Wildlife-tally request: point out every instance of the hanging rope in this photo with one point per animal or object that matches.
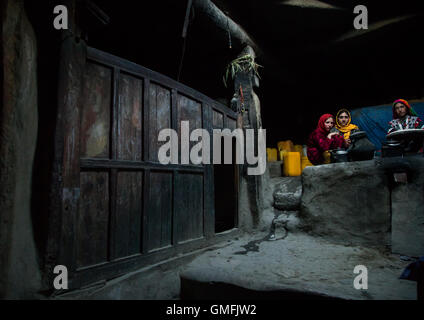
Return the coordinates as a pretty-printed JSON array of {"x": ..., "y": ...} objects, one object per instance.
[
  {"x": 230, "y": 43},
  {"x": 242, "y": 110},
  {"x": 184, "y": 35}
]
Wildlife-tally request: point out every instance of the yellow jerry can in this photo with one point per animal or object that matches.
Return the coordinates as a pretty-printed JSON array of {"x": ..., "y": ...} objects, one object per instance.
[
  {"x": 285, "y": 145},
  {"x": 272, "y": 154},
  {"x": 306, "y": 163},
  {"x": 292, "y": 165},
  {"x": 298, "y": 148}
]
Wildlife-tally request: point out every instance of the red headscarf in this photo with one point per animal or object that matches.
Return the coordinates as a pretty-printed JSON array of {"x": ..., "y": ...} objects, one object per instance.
[
  {"x": 409, "y": 110},
  {"x": 321, "y": 122}
]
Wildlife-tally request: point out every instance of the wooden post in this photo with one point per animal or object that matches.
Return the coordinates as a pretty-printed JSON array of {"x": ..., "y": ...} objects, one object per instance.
[{"x": 65, "y": 179}]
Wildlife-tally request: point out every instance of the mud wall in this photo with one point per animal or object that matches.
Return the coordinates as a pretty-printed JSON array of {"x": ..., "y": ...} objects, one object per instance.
[{"x": 19, "y": 270}]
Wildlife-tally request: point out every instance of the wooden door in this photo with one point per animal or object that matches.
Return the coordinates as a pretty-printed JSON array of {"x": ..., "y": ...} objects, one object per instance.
[{"x": 122, "y": 209}]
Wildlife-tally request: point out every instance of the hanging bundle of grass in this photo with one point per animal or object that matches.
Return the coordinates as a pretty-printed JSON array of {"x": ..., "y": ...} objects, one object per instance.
[{"x": 244, "y": 63}]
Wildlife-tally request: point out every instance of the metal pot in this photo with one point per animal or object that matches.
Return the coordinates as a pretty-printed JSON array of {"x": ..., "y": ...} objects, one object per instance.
[
  {"x": 392, "y": 148},
  {"x": 338, "y": 156},
  {"x": 356, "y": 135}
]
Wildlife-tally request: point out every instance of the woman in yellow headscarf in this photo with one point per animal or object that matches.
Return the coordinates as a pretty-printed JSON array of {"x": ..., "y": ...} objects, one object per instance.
[{"x": 344, "y": 125}]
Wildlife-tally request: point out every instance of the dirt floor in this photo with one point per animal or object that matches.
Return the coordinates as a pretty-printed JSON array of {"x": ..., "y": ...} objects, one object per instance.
[{"x": 305, "y": 263}]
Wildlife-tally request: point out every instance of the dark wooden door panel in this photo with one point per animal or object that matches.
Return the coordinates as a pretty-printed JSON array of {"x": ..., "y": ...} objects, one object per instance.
[
  {"x": 231, "y": 124},
  {"x": 189, "y": 207},
  {"x": 218, "y": 119},
  {"x": 129, "y": 210},
  {"x": 93, "y": 219},
  {"x": 95, "y": 118},
  {"x": 160, "y": 210},
  {"x": 191, "y": 111},
  {"x": 160, "y": 117},
  {"x": 130, "y": 119}
]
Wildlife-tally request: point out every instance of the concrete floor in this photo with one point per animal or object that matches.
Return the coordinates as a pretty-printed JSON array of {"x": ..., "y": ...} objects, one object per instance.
[{"x": 300, "y": 263}]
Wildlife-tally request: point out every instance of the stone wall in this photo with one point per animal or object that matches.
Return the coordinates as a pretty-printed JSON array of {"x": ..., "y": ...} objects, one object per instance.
[
  {"x": 348, "y": 203},
  {"x": 408, "y": 211},
  {"x": 362, "y": 203},
  {"x": 19, "y": 270}
]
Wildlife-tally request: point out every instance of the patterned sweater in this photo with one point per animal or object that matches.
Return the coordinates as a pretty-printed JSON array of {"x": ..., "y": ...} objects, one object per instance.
[{"x": 408, "y": 122}]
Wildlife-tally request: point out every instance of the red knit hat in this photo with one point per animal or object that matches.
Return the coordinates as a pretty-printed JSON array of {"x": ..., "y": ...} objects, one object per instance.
[{"x": 409, "y": 109}]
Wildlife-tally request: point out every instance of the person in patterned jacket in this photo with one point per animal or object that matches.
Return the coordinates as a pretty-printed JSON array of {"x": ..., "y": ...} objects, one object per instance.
[{"x": 404, "y": 117}]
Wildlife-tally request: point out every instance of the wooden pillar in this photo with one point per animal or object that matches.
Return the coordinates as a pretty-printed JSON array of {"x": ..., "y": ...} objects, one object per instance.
[
  {"x": 244, "y": 84},
  {"x": 65, "y": 191}
]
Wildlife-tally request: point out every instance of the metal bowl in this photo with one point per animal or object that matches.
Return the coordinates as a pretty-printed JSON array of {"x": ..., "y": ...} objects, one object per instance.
[
  {"x": 341, "y": 152},
  {"x": 393, "y": 143}
]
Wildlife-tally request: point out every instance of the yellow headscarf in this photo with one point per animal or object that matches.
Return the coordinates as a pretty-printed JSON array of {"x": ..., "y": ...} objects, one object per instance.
[{"x": 347, "y": 128}]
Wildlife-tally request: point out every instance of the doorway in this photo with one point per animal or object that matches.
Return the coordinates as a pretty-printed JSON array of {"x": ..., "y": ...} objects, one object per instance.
[{"x": 226, "y": 193}]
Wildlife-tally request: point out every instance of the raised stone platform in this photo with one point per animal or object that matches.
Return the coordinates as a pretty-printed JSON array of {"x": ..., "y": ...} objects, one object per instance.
[{"x": 361, "y": 203}]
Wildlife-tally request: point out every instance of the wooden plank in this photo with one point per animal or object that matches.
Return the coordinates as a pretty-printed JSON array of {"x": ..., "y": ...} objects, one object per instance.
[
  {"x": 113, "y": 140},
  {"x": 93, "y": 219},
  {"x": 113, "y": 190},
  {"x": 191, "y": 111},
  {"x": 153, "y": 92},
  {"x": 128, "y": 214},
  {"x": 63, "y": 219},
  {"x": 95, "y": 118},
  {"x": 160, "y": 117},
  {"x": 208, "y": 182},
  {"x": 115, "y": 114},
  {"x": 146, "y": 211},
  {"x": 160, "y": 210},
  {"x": 88, "y": 164},
  {"x": 175, "y": 202},
  {"x": 175, "y": 177},
  {"x": 231, "y": 124},
  {"x": 218, "y": 120},
  {"x": 129, "y": 128},
  {"x": 146, "y": 117}
]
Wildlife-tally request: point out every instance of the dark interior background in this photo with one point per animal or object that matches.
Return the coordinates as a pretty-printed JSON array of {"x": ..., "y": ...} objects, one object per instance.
[
  {"x": 313, "y": 60},
  {"x": 308, "y": 68}
]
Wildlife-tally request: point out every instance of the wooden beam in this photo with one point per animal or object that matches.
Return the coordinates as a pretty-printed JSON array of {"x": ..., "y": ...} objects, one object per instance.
[{"x": 226, "y": 24}]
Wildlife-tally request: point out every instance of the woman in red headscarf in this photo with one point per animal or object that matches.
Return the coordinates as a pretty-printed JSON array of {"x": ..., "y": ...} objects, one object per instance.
[{"x": 322, "y": 140}]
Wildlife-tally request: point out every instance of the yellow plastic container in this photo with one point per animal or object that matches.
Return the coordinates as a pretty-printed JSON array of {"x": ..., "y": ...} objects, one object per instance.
[
  {"x": 272, "y": 154},
  {"x": 306, "y": 163},
  {"x": 285, "y": 145},
  {"x": 282, "y": 153},
  {"x": 298, "y": 148},
  {"x": 291, "y": 165}
]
